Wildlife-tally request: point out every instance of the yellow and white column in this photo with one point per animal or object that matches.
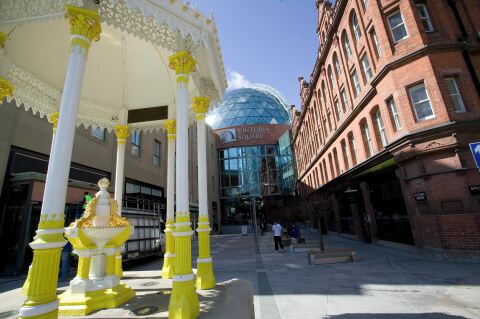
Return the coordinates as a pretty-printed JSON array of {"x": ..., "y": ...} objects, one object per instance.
[
  {"x": 205, "y": 277},
  {"x": 6, "y": 88},
  {"x": 122, "y": 132},
  {"x": 184, "y": 300},
  {"x": 169, "y": 256},
  {"x": 41, "y": 283}
]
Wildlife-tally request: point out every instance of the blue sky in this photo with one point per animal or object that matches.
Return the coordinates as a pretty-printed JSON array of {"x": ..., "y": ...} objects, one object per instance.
[{"x": 266, "y": 41}]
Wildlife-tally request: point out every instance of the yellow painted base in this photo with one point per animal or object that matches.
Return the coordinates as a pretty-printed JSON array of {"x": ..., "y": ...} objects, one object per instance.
[
  {"x": 83, "y": 304},
  {"x": 168, "y": 267},
  {"x": 205, "y": 278},
  {"x": 184, "y": 302}
]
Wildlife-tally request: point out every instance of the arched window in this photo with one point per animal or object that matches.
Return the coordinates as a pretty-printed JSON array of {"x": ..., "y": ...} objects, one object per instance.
[
  {"x": 346, "y": 45},
  {"x": 330, "y": 76},
  {"x": 335, "y": 159},
  {"x": 380, "y": 131},
  {"x": 338, "y": 69},
  {"x": 346, "y": 160},
  {"x": 367, "y": 138},
  {"x": 355, "y": 26},
  {"x": 353, "y": 148}
]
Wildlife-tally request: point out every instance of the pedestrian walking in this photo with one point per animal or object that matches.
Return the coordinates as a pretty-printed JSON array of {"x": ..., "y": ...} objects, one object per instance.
[{"x": 277, "y": 235}]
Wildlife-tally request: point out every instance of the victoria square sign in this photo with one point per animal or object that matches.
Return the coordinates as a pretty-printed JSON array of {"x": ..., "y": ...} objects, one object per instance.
[{"x": 250, "y": 135}]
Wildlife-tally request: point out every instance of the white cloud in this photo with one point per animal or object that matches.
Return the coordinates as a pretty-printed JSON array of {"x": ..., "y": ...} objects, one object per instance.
[{"x": 237, "y": 81}]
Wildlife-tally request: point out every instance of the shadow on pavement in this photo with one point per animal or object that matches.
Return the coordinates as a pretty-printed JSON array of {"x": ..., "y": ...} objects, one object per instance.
[{"x": 395, "y": 316}]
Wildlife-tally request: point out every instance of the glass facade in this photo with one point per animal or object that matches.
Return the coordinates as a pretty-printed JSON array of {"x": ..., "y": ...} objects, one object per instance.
[
  {"x": 249, "y": 106},
  {"x": 265, "y": 171}
]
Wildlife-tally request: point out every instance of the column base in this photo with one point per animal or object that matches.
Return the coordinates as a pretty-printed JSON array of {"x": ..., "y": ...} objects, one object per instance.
[
  {"x": 82, "y": 304},
  {"x": 168, "y": 266},
  {"x": 184, "y": 302},
  {"x": 205, "y": 278}
]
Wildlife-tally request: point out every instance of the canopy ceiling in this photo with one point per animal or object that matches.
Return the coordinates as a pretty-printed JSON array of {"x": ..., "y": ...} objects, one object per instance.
[{"x": 126, "y": 70}]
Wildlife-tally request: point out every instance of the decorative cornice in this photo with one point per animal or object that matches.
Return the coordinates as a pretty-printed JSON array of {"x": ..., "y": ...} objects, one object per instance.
[
  {"x": 84, "y": 26},
  {"x": 122, "y": 132},
  {"x": 200, "y": 106},
  {"x": 53, "y": 118}
]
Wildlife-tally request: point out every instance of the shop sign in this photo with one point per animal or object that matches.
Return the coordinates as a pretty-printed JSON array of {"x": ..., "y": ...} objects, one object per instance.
[
  {"x": 249, "y": 133},
  {"x": 474, "y": 189},
  {"x": 420, "y": 196}
]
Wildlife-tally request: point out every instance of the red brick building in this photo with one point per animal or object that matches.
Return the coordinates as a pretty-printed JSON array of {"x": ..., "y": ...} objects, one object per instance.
[{"x": 382, "y": 139}]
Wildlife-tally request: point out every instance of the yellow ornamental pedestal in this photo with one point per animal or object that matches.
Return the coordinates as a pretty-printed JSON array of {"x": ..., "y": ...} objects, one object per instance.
[
  {"x": 169, "y": 256},
  {"x": 97, "y": 238},
  {"x": 205, "y": 277}
]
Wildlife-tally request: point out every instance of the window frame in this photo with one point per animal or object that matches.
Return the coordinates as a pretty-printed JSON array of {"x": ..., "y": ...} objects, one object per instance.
[
  {"x": 413, "y": 103},
  {"x": 135, "y": 146},
  {"x": 368, "y": 138},
  {"x": 392, "y": 107},
  {"x": 381, "y": 128},
  {"x": 376, "y": 43},
  {"x": 338, "y": 68},
  {"x": 94, "y": 129},
  {"x": 356, "y": 82},
  {"x": 421, "y": 6},
  {"x": 355, "y": 27},
  {"x": 398, "y": 25},
  {"x": 156, "y": 155},
  {"x": 367, "y": 72},
  {"x": 458, "y": 94},
  {"x": 343, "y": 94},
  {"x": 347, "y": 49}
]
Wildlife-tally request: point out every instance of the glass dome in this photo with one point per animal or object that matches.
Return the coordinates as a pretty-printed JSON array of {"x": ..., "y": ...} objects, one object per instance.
[{"x": 260, "y": 104}]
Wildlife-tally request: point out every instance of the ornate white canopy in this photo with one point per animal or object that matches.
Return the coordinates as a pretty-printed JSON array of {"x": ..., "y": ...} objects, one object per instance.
[{"x": 126, "y": 70}]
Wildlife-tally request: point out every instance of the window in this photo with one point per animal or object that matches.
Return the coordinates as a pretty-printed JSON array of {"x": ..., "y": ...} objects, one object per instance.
[
  {"x": 344, "y": 100},
  {"x": 338, "y": 70},
  {"x": 376, "y": 43},
  {"x": 156, "y": 154},
  {"x": 345, "y": 155},
  {"x": 365, "y": 3},
  {"x": 381, "y": 128},
  {"x": 353, "y": 148},
  {"x": 329, "y": 117},
  {"x": 330, "y": 77},
  {"x": 394, "y": 113},
  {"x": 397, "y": 27},
  {"x": 421, "y": 102},
  {"x": 356, "y": 27},
  {"x": 455, "y": 95},
  {"x": 98, "y": 133},
  {"x": 136, "y": 137},
  {"x": 424, "y": 17},
  {"x": 367, "y": 140},
  {"x": 346, "y": 46},
  {"x": 366, "y": 67},
  {"x": 356, "y": 83},
  {"x": 337, "y": 107}
]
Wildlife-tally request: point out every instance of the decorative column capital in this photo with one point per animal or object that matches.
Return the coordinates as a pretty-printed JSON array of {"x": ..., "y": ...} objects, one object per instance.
[
  {"x": 3, "y": 38},
  {"x": 122, "y": 132},
  {"x": 171, "y": 127},
  {"x": 6, "y": 89},
  {"x": 200, "y": 106},
  {"x": 84, "y": 26},
  {"x": 183, "y": 64},
  {"x": 53, "y": 118}
]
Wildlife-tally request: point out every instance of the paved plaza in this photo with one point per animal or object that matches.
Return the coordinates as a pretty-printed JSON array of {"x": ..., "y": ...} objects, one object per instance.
[{"x": 384, "y": 283}]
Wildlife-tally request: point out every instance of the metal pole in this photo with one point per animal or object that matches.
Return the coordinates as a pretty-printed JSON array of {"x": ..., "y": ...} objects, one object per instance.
[{"x": 254, "y": 200}]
